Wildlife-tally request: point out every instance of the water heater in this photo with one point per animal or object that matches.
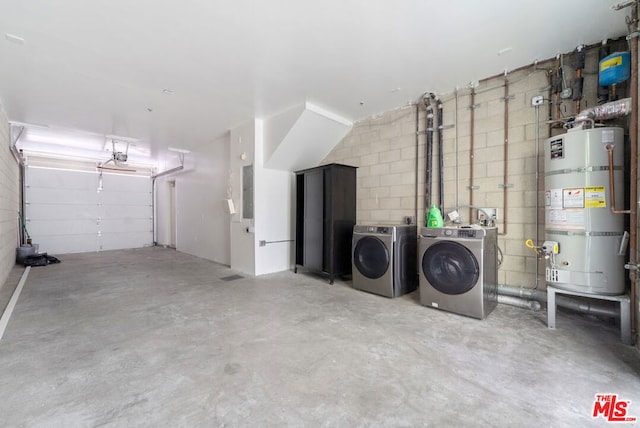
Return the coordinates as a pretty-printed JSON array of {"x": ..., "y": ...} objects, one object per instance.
[{"x": 586, "y": 241}]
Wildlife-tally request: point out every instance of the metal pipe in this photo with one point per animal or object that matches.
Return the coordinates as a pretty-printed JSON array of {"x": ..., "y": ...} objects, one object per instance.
[
  {"x": 440, "y": 156},
  {"x": 417, "y": 163},
  {"x": 471, "y": 154},
  {"x": 612, "y": 184},
  {"x": 519, "y": 303},
  {"x": 610, "y": 110},
  {"x": 429, "y": 151},
  {"x": 457, "y": 157},
  {"x": 590, "y": 308},
  {"x": 537, "y": 280},
  {"x": 505, "y": 193},
  {"x": 169, "y": 171},
  {"x": 633, "y": 190}
]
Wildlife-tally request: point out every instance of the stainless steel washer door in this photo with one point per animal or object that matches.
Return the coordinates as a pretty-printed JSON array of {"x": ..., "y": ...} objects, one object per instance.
[
  {"x": 450, "y": 267},
  {"x": 371, "y": 257}
]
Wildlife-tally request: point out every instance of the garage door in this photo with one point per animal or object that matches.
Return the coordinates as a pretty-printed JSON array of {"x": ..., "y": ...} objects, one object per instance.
[{"x": 78, "y": 211}]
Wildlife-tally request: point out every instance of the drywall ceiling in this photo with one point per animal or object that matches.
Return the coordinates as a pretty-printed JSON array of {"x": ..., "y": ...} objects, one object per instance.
[{"x": 183, "y": 73}]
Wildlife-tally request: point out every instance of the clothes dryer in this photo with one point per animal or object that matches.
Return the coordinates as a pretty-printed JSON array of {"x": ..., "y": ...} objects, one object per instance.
[
  {"x": 459, "y": 269},
  {"x": 384, "y": 259}
]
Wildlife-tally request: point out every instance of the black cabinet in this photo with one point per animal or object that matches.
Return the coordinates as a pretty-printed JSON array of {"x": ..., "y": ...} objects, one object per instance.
[{"x": 325, "y": 216}]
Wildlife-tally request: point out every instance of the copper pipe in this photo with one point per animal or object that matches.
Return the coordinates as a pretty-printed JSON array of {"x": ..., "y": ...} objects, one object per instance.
[
  {"x": 612, "y": 184},
  {"x": 633, "y": 188}
]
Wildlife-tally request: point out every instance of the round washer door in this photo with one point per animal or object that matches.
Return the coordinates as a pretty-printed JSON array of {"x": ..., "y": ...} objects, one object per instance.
[
  {"x": 450, "y": 267},
  {"x": 371, "y": 257}
]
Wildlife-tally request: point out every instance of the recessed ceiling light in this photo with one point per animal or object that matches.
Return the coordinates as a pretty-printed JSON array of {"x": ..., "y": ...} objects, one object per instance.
[
  {"x": 167, "y": 91},
  {"x": 14, "y": 39},
  {"x": 394, "y": 90}
]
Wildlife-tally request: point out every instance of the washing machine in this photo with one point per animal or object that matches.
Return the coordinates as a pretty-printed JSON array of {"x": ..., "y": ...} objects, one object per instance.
[
  {"x": 459, "y": 269},
  {"x": 384, "y": 259}
]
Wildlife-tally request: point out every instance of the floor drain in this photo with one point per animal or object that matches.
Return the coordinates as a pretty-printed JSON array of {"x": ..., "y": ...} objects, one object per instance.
[{"x": 231, "y": 277}]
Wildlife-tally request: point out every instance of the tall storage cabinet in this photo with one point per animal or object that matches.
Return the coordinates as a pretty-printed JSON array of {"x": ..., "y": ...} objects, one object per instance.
[{"x": 325, "y": 216}]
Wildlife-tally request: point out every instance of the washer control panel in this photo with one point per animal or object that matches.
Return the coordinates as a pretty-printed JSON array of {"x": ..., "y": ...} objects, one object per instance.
[{"x": 467, "y": 233}]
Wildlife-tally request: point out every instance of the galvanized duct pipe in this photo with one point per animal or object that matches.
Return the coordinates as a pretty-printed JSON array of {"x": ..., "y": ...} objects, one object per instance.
[
  {"x": 591, "y": 308},
  {"x": 610, "y": 110},
  {"x": 519, "y": 303}
]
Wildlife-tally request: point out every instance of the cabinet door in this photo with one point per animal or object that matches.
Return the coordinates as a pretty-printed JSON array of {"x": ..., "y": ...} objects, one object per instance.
[{"x": 313, "y": 218}]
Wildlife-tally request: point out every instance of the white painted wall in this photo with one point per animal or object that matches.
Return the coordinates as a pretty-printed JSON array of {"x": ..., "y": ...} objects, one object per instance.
[
  {"x": 200, "y": 189},
  {"x": 241, "y": 152},
  {"x": 273, "y": 207},
  {"x": 9, "y": 200},
  {"x": 274, "y": 200},
  {"x": 301, "y": 137}
]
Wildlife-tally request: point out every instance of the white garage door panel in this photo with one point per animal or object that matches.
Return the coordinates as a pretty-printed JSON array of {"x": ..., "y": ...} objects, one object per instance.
[
  {"x": 131, "y": 183},
  {"x": 132, "y": 211},
  {"x": 62, "y": 228},
  {"x": 56, "y": 196},
  {"x": 117, "y": 241},
  {"x": 62, "y": 179},
  {"x": 67, "y": 213},
  {"x": 68, "y": 244},
  {"x": 126, "y": 198},
  {"x": 39, "y": 212},
  {"x": 125, "y": 225}
]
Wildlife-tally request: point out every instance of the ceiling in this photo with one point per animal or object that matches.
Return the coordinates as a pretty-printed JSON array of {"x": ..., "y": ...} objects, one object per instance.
[{"x": 181, "y": 74}]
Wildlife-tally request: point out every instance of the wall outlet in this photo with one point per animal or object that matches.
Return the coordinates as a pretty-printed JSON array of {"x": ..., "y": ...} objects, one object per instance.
[
  {"x": 537, "y": 100},
  {"x": 263, "y": 243}
]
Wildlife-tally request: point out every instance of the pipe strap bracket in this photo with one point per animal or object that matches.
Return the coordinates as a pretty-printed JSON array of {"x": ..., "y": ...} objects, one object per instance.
[{"x": 633, "y": 35}]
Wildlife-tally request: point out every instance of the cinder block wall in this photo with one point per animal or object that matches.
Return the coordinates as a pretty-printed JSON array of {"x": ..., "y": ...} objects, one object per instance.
[
  {"x": 391, "y": 184},
  {"x": 9, "y": 201}
]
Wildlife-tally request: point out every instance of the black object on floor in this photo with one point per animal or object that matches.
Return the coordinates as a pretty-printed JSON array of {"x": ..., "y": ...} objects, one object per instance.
[{"x": 40, "y": 260}]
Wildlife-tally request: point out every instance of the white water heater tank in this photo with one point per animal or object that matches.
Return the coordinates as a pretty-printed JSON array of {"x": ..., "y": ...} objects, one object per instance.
[{"x": 591, "y": 239}]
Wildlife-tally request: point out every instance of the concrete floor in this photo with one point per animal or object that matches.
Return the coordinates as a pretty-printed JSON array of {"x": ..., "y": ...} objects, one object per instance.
[{"x": 153, "y": 337}]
